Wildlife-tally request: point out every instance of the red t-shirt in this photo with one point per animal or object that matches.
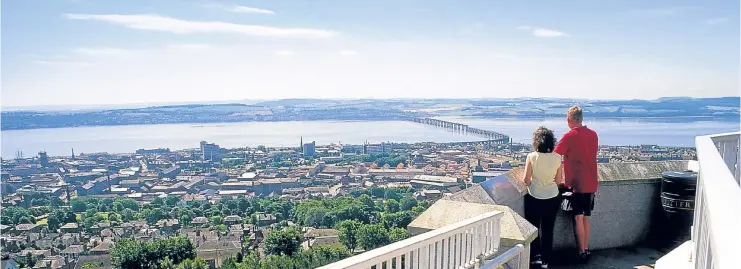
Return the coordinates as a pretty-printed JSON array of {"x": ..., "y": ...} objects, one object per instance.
[{"x": 579, "y": 150}]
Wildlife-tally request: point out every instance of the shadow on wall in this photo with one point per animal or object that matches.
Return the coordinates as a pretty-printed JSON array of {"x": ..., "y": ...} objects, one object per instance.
[{"x": 627, "y": 206}]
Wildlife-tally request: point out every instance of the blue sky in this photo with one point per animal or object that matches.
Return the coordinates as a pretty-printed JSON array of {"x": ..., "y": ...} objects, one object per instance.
[{"x": 74, "y": 52}]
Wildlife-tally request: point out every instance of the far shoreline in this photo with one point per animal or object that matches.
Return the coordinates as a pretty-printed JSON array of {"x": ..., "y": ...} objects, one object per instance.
[{"x": 725, "y": 118}]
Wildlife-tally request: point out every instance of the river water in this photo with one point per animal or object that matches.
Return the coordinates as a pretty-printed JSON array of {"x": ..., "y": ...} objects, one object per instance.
[{"x": 116, "y": 139}]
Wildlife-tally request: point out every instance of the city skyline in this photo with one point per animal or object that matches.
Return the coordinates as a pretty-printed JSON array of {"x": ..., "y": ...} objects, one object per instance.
[{"x": 84, "y": 52}]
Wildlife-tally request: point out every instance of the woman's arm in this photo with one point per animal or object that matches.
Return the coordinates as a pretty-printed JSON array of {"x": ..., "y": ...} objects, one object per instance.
[
  {"x": 528, "y": 172},
  {"x": 559, "y": 175}
]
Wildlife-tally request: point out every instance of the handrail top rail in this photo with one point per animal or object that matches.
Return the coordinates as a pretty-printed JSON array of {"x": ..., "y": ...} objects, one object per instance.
[
  {"x": 729, "y": 134},
  {"x": 723, "y": 198},
  {"x": 406, "y": 243},
  {"x": 503, "y": 258}
]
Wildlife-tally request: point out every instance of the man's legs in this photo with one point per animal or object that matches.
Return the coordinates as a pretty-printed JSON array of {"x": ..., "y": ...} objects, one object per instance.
[
  {"x": 583, "y": 205},
  {"x": 586, "y": 233},
  {"x": 581, "y": 232}
]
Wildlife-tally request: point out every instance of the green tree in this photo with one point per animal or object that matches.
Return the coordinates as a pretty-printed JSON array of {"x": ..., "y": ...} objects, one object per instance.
[
  {"x": 393, "y": 193},
  {"x": 78, "y": 205},
  {"x": 118, "y": 207},
  {"x": 418, "y": 209},
  {"x": 91, "y": 212},
  {"x": 113, "y": 217},
  {"x": 315, "y": 217},
  {"x": 221, "y": 228},
  {"x": 398, "y": 234},
  {"x": 128, "y": 214},
  {"x": 92, "y": 265},
  {"x": 407, "y": 203},
  {"x": 155, "y": 215},
  {"x": 157, "y": 202},
  {"x": 40, "y": 202},
  {"x": 378, "y": 192},
  {"x": 126, "y": 203},
  {"x": 28, "y": 261},
  {"x": 53, "y": 222},
  {"x": 349, "y": 233},
  {"x": 284, "y": 242},
  {"x": 391, "y": 206},
  {"x": 130, "y": 253},
  {"x": 367, "y": 201},
  {"x": 216, "y": 220},
  {"x": 166, "y": 263},
  {"x": 231, "y": 263},
  {"x": 88, "y": 223},
  {"x": 397, "y": 220},
  {"x": 70, "y": 217},
  {"x": 25, "y": 219},
  {"x": 244, "y": 204},
  {"x": 172, "y": 200},
  {"x": 196, "y": 263},
  {"x": 252, "y": 261},
  {"x": 15, "y": 215},
  {"x": 371, "y": 236}
]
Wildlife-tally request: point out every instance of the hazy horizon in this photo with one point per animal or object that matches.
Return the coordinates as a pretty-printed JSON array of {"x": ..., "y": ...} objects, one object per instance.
[{"x": 73, "y": 107}]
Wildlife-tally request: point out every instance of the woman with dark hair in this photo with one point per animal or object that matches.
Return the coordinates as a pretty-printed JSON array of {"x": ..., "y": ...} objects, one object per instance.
[{"x": 543, "y": 173}]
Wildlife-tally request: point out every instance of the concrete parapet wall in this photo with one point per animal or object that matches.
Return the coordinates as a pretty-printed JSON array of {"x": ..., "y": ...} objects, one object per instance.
[
  {"x": 627, "y": 204},
  {"x": 623, "y": 215}
]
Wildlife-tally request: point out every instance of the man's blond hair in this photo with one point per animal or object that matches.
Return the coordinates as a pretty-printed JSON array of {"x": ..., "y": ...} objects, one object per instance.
[{"x": 575, "y": 113}]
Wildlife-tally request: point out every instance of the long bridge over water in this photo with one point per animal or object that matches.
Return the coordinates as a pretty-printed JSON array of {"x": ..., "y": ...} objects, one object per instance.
[{"x": 491, "y": 136}]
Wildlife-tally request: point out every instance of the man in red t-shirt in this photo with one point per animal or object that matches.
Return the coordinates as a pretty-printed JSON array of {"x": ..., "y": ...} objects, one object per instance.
[{"x": 579, "y": 150}]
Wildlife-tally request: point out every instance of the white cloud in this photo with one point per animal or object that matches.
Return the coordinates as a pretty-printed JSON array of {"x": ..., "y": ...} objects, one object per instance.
[
  {"x": 283, "y": 52},
  {"x": 63, "y": 63},
  {"x": 543, "y": 32},
  {"x": 715, "y": 21},
  {"x": 153, "y": 22},
  {"x": 189, "y": 46},
  {"x": 100, "y": 51},
  {"x": 241, "y": 9},
  {"x": 244, "y": 9},
  {"x": 348, "y": 52}
]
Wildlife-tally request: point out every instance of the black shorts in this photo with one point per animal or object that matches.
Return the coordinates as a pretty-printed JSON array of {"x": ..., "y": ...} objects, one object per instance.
[{"x": 582, "y": 203}]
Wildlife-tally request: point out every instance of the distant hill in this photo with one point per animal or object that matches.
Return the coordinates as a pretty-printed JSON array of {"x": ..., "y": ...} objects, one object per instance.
[{"x": 369, "y": 109}]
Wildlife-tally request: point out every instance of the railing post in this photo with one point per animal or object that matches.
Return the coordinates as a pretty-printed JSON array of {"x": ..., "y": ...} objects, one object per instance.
[
  {"x": 717, "y": 202},
  {"x": 461, "y": 245}
]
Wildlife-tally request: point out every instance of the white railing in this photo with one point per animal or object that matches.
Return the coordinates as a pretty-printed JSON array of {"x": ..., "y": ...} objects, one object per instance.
[
  {"x": 464, "y": 244},
  {"x": 715, "y": 233},
  {"x": 506, "y": 257}
]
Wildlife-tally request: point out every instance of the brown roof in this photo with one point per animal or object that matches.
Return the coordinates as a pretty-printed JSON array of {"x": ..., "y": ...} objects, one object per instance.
[
  {"x": 103, "y": 246},
  {"x": 199, "y": 220},
  {"x": 25, "y": 227},
  {"x": 73, "y": 249},
  {"x": 70, "y": 226}
]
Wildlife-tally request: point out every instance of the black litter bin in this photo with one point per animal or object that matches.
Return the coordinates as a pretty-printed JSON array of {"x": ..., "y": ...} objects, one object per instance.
[{"x": 678, "y": 203}]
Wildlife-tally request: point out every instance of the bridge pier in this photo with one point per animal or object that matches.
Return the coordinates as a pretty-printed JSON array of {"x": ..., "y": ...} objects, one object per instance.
[{"x": 491, "y": 137}]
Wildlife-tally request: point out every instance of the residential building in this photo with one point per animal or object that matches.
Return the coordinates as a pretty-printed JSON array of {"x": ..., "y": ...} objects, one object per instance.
[
  {"x": 309, "y": 149},
  {"x": 210, "y": 151}
]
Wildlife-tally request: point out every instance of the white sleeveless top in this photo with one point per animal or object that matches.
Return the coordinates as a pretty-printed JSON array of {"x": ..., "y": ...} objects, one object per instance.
[{"x": 545, "y": 166}]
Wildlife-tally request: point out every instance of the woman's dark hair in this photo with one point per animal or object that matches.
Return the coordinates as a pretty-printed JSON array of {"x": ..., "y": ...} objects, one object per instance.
[{"x": 543, "y": 140}]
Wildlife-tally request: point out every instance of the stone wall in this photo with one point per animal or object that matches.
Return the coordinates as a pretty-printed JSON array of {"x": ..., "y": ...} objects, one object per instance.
[
  {"x": 623, "y": 215},
  {"x": 627, "y": 204}
]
